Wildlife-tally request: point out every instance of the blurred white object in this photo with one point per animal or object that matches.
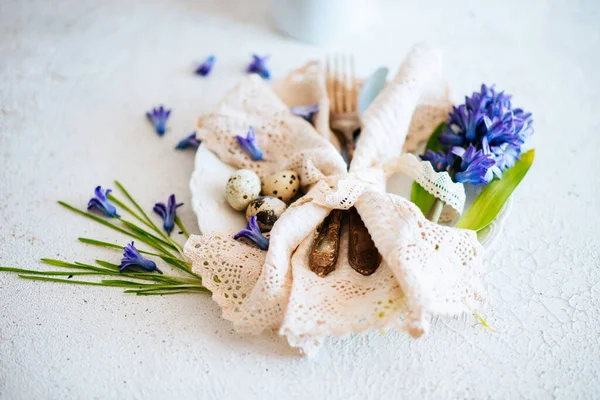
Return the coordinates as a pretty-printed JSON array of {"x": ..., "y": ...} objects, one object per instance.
[{"x": 322, "y": 21}]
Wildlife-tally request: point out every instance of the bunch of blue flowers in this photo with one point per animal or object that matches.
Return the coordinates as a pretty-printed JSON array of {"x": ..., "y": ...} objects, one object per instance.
[{"x": 482, "y": 138}]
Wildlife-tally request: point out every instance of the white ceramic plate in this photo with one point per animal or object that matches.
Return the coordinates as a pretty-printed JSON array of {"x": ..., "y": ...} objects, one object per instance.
[{"x": 215, "y": 215}]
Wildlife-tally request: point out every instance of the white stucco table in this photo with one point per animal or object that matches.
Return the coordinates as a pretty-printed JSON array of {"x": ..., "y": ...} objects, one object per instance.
[{"x": 75, "y": 80}]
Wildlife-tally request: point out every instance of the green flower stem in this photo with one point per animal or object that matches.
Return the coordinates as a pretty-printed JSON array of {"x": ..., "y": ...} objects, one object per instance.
[
  {"x": 149, "y": 235},
  {"x": 57, "y": 273},
  {"x": 148, "y": 220},
  {"x": 173, "y": 261},
  {"x": 136, "y": 235},
  {"x": 99, "y": 243},
  {"x": 64, "y": 264},
  {"x": 76, "y": 282},
  {"x": 435, "y": 211},
  {"x": 130, "y": 211},
  {"x": 179, "y": 224},
  {"x": 165, "y": 238}
]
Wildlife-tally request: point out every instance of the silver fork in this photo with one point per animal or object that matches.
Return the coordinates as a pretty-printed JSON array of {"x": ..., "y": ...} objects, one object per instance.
[
  {"x": 363, "y": 256},
  {"x": 342, "y": 90}
]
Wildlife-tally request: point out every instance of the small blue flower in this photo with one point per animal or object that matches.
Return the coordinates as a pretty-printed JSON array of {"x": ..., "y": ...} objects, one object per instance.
[
  {"x": 258, "y": 66},
  {"x": 475, "y": 167},
  {"x": 100, "y": 202},
  {"x": 440, "y": 161},
  {"x": 250, "y": 145},
  {"x": 207, "y": 66},
  {"x": 306, "y": 112},
  {"x": 523, "y": 124},
  {"x": 252, "y": 232},
  {"x": 158, "y": 117},
  {"x": 168, "y": 213},
  {"x": 188, "y": 142},
  {"x": 133, "y": 258},
  {"x": 461, "y": 123}
]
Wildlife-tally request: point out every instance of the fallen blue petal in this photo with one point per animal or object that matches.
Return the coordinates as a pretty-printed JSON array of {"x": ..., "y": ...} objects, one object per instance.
[
  {"x": 253, "y": 233},
  {"x": 306, "y": 111},
  {"x": 100, "y": 202},
  {"x": 258, "y": 66},
  {"x": 168, "y": 212},
  {"x": 250, "y": 145},
  {"x": 188, "y": 142},
  {"x": 158, "y": 117},
  {"x": 207, "y": 66}
]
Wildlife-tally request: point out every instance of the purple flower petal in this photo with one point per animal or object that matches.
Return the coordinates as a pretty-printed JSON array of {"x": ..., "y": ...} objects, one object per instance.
[
  {"x": 188, "y": 142},
  {"x": 100, "y": 202},
  {"x": 440, "y": 161},
  {"x": 132, "y": 258},
  {"x": 475, "y": 166},
  {"x": 258, "y": 66},
  {"x": 250, "y": 145},
  {"x": 207, "y": 66},
  {"x": 306, "y": 111},
  {"x": 158, "y": 117},
  {"x": 253, "y": 233},
  {"x": 168, "y": 213}
]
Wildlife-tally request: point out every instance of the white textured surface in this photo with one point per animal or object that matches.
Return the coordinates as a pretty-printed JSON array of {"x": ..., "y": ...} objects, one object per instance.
[{"x": 75, "y": 79}]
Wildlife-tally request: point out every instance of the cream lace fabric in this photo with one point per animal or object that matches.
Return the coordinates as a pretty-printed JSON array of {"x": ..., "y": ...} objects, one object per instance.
[{"x": 427, "y": 269}]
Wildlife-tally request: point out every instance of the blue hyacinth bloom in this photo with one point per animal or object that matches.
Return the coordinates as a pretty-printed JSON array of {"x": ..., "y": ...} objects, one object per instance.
[
  {"x": 207, "y": 66},
  {"x": 250, "y": 145},
  {"x": 100, "y": 202},
  {"x": 168, "y": 212},
  {"x": 133, "y": 258},
  {"x": 188, "y": 142},
  {"x": 305, "y": 112},
  {"x": 253, "y": 233},
  {"x": 158, "y": 117},
  {"x": 258, "y": 66}
]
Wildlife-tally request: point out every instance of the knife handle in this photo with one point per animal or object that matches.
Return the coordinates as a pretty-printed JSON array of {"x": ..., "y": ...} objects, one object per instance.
[
  {"x": 325, "y": 250},
  {"x": 363, "y": 256}
]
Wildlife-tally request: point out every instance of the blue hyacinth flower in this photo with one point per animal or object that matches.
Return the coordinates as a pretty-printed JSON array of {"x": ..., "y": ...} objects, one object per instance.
[
  {"x": 168, "y": 212},
  {"x": 440, "y": 161},
  {"x": 258, "y": 66},
  {"x": 250, "y": 145},
  {"x": 252, "y": 233},
  {"x": 158, "y": 117},
  {"x": 100, "y": 202},
  {"x": 305, "y": 112},
  {"x": 133, "y": 258},
  {"x": 207, "y": 66},
  {"x": 188, "y": 142},
  {"x": 476, "y": 168}
]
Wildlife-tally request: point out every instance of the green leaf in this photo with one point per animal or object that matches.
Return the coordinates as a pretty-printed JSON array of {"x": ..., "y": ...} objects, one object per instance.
[
  {"x": 493, "y": 197},
  {"x": 433, "y": 143},
  {"x": 420, "y": 196}
]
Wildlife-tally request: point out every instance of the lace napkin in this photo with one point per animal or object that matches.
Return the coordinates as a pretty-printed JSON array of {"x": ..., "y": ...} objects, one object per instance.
[{"x": 427, "y": 268}]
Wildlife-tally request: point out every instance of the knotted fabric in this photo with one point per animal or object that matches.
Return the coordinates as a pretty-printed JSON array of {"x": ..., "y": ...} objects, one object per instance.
[{"x": 427, "y": 268}]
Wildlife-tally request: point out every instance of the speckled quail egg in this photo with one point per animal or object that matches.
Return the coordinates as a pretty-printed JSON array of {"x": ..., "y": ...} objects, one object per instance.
[
  {"x": 267, "y": 210},
  {"x": 283, "y": 184},
  {"x": 242, "y": 187}
]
